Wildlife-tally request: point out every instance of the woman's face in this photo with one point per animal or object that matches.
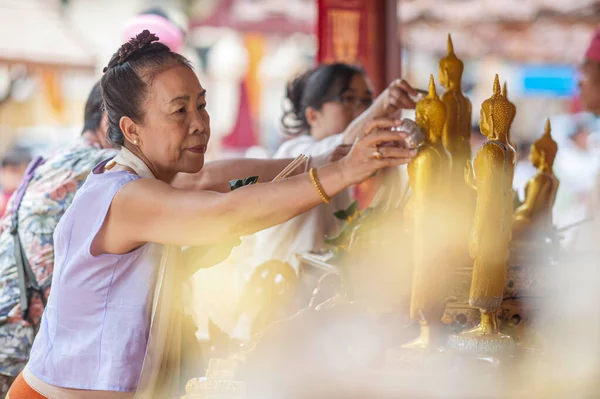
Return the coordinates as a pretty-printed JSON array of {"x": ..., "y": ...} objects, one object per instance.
[
  {"x": 335, "y": 116},
  {"x": 176, "y": 128}
]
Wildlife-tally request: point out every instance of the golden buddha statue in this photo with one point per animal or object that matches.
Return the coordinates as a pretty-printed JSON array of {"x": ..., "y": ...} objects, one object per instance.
[
  {"x": 456, "y": 138},
  {"x": 494, "y": 166},
  {"x": 427, "y": 174},
  {"x": 534, "y": 216},
  {"x": 457, "y": 129}
]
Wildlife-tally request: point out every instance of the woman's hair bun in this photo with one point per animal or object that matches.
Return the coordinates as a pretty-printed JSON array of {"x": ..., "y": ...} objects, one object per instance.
[{"x": 134, "y": 44}]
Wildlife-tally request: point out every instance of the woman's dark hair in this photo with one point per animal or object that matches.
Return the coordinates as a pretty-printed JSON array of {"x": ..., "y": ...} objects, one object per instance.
[
  {"x": 127, "y": 77},
  {"x": 93, "y": 110},
  {"x": 312, "y": 89}
]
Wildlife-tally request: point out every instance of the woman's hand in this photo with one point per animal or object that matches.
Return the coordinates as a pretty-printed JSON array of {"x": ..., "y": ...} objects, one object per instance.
[
  {"x": 336, "y": 154},
  {"x": 372, "y": 151},
  {"x": 398, "y": 96}
]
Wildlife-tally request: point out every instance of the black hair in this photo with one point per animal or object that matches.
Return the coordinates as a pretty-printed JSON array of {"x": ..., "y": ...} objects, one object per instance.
[
  {"x": 17, "y": 156},
  {"x": 92, "y": 115},
  {"x": 312, "y": 89},
  {"x": 127, "y": 77}
]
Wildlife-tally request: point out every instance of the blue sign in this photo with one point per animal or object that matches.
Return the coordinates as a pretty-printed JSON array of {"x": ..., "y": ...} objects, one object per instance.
[{"x": 549, "y": 80}]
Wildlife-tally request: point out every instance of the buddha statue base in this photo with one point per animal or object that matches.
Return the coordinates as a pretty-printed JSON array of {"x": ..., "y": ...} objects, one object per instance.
[
  {"x": 485, "y": 339},
  {"x": 496, "y": 344}
]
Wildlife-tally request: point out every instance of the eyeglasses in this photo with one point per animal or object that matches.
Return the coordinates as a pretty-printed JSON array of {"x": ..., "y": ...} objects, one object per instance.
[{"x": 350, "y": 101}]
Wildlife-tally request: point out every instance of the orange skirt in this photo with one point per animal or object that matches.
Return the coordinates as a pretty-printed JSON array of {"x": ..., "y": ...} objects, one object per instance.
[{"x": 21, "y": 390}]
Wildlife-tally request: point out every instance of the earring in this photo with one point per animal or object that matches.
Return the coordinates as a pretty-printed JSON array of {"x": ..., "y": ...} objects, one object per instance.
[{"x": 135, "y": 142}]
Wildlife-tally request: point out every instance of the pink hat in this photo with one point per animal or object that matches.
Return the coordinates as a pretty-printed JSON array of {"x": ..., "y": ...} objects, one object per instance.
[
  {"x": 593, "y": 51},
  {"x": 168, "y": 33}
]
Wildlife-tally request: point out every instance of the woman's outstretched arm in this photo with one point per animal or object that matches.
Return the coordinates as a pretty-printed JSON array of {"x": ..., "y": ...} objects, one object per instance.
[
  {"x": 148, "y": 210},
  {"x": 215, "y": 175}
]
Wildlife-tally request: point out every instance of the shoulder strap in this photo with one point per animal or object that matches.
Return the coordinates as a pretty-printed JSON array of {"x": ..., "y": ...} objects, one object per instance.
[{"x": 27, "y": 279}]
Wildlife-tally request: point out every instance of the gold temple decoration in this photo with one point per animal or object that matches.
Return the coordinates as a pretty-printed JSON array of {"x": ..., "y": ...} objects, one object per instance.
[
  {"x": 427, "y": 175},
  {"x": 534, "y": 217},
  {"x": 494, "y": 166},
  {"x": 346, "y": 27}
]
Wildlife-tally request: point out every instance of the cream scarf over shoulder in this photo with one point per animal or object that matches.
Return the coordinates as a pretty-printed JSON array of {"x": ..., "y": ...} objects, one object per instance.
[{"x": 160, "y": 375}]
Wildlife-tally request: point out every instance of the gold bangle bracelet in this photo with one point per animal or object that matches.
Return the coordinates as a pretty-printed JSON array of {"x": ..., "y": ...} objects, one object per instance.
[{"x": 315, "y": 181}]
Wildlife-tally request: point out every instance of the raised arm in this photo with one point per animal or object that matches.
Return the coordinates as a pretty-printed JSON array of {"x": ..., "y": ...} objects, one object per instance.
[
  {"x": 394, "y": 97},
  {"x": 148, "y": 210}
]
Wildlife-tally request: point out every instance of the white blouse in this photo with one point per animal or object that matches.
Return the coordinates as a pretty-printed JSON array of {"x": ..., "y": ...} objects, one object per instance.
[{"x": 307, "y": 231}]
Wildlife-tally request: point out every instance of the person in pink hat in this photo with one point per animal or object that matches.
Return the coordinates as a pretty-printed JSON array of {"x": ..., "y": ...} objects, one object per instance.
[{"x": 589, "y": 83}]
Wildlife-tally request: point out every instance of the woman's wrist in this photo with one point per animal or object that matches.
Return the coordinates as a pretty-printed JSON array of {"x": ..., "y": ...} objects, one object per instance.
[{"x": 341, "y": 173}]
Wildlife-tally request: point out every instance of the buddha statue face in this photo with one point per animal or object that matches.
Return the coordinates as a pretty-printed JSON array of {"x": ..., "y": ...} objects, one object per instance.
[
  {"x": 543, "y": 151},
  {"x": 431, "y": 113},
  {"x": 451, "y": 68},
  {"x": 497, "y": 114},
  {"x": 536, "y": 156}
]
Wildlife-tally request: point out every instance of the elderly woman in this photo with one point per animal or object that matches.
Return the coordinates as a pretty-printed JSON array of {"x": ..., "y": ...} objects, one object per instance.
[{"x": 96, "y": 332}]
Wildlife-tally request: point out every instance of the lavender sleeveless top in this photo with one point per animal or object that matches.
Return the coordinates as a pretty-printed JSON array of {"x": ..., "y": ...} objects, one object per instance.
[{"x": 94, "y": 331}]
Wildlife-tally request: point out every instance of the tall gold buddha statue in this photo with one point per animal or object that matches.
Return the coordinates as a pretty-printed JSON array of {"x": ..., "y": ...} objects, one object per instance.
[
  {"x": 457, "y": 129},
  {"x": 427, "y": 174},
  {"x": 494, "y": 166},
  {"x": 534, "y": 217},
  {"x": 456, "y": 138}
]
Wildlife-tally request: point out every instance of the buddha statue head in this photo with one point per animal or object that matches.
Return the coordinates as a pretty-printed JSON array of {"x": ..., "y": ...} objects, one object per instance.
[
  {"x": 451, "y": 68},
  {"x": 497, "y": 114},
  {"x": 431, "y": 113},
  {"x": 543, "y": 151}
]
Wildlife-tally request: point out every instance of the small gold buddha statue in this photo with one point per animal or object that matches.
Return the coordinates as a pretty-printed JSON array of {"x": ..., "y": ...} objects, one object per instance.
[
  {"x": 534, "y": 217},
  {"x": 494, "y": 166},
  {"x": 427, "y": 174}
]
